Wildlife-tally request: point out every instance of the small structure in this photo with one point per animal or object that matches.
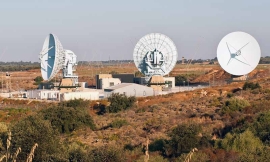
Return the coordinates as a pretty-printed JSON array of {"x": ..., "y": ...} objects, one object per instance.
[
  {"x": 43, "y": 94},
  {"x": 129, "y": 89},
  {"x": 239, "y": 78},
  {"x": 108, "y": 82},
  {"x": 101, "y": 76}
]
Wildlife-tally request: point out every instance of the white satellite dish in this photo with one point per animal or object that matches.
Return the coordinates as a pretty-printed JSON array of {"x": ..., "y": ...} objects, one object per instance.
[
  {"x": 51, "y": 57},
  {"x": 238, "y": 53},
  {"x": 155, "y": 54}
]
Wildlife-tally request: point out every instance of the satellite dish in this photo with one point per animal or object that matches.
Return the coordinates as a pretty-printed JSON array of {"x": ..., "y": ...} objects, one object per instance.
[
  {"x": 155, "y": 54},
  {"x": 238, "y": 53},
  {"x": 51, "y": 57}
]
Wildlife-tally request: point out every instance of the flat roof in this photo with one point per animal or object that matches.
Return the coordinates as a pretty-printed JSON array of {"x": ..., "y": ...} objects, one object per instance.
[{"x": 119, "y": 86}]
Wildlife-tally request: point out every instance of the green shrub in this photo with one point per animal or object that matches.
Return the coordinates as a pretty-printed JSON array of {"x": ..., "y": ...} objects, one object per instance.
[
  {"x": 180, "y": 79},
  {"x": 262, "y": 127},
  {"x": 158, "y": 145},
  {"x": 76, "y": 103},
  {"x": 38, "y": 80},
  {"x": 106, "y": 154},
  {"x": 230, "y": 95},
  {"x": 245, "y": 142},
  {"x": 250, "y": 85},
  {"x": 66, "y": 120},
  {"x": 119, "y": 102},
  {"x": 118, "y": 123},
  {"x": 31, "y": 130},
  {"x": 183, "y": 138},
  {"x": 234, "y": 104}
]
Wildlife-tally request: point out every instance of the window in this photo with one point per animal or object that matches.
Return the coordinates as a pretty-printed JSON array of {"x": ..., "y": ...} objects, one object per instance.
[{"x": 111, "y": 83}]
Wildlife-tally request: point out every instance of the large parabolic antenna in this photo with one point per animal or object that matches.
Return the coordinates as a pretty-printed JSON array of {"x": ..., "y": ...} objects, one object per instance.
[
  {"x": 238, "y": 53},
  {"x": 54, "y": 58},
  {"x": 51, "y": 57},
  {"x": 155, "y": 54}
]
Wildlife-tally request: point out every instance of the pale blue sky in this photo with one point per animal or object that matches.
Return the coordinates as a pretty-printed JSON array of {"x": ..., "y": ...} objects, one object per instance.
[{"x": 95, "y": 30}]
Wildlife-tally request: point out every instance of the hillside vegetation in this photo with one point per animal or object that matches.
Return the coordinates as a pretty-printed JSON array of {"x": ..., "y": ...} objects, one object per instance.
[{"x": 228, "y": 123}]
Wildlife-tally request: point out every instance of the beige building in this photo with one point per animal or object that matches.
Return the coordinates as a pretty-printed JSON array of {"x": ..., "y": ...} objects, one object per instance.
[
  {"x": 108, "y": 82},
  {"x": 101, "y": 76}
]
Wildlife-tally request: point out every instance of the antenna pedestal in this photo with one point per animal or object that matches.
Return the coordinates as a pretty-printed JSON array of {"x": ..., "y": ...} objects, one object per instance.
[{"x": 157, "y": 82}]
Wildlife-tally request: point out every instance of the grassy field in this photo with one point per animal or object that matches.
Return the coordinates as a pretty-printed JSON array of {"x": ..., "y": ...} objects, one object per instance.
[{"x": 25, "y": 79}]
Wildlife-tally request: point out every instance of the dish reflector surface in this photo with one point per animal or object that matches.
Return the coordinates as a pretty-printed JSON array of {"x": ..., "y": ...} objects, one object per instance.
[
  {"x": 238, "y": 53},
  {"x": 51, "y": 57},
  {"x": 155, "y": 54}
]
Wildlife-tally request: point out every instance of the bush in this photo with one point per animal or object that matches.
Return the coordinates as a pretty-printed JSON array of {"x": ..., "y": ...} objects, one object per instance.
[
  {"x": 234, "y": 104},
  {"x": 158, "y": 145},
  {"x": 118, "y": 123},
  {"x": 250, "y": 85},
  {"x": 262, "y": 127},
  {"x": 31, "y": 130},
  {"x": 76, "y": 103},
  {"x": 66, "y": 120},
  {"x": 119, "y": 102},
  {"x": 183, "y": 139},
  {"x": 108, "y": 154},
  {"x": 38, "y": 80},
  {"x": 245, "y": 142},
  {"x": 180, "y": 79}
]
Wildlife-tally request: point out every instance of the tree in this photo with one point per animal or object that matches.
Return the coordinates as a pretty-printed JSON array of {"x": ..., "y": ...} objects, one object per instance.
[
  {"x": 38, "y": 80},
  {"x": 262, "y": 127},
  {"x": 183, "y": 138},
  {"x": 33, "y": 130},
  {"x": 180, "y": 79}
]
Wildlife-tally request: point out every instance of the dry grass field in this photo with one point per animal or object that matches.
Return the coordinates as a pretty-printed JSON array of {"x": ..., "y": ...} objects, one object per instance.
[{"x": 204, "y": 72}]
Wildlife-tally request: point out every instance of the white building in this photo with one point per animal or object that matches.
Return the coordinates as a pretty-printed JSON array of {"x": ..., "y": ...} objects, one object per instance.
[
  {"x": 129, "y": 89},
  {"x": 85, "y": 95},
  {"x": 43, "y": 94}
]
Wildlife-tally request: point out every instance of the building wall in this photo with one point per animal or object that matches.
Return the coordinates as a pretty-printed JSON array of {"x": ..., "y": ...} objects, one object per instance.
[
  {"x": 132, "y": 90},
  {"x": 93, "y": 95},
  {"x": 170, "y": 79},
  {"x": 105, "y": 82},
  {"x": 100, "y": 76},
  {"x": 43, "y": 94},
  {"x": 124, "y": 78},
  {"x": 141, "y": 80}
]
